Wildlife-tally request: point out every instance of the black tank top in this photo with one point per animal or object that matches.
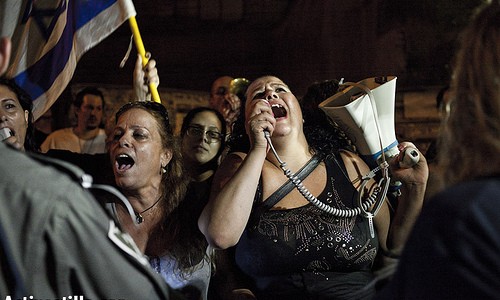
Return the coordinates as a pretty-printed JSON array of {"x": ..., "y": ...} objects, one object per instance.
[{"x": 306, "y": 239}]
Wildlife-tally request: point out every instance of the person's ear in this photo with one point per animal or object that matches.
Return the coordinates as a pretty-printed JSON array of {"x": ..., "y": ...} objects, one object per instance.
[
  {"x": 165, "y": 158},
  {"x": 5, "y": 49},
  {"x": 26, "y": 116}
]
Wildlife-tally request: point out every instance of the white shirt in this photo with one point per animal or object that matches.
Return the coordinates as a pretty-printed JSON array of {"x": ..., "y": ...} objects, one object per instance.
[
  {"x": 200, "y": 278},
  {"x": 66, "y": 139}
]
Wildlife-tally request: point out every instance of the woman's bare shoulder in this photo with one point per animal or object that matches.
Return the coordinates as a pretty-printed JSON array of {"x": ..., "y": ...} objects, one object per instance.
[{"x": 355, "y": 166}]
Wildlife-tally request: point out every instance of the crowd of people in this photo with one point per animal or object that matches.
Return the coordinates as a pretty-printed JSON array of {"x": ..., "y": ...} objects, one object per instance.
[{"x": 260, "y": 196}]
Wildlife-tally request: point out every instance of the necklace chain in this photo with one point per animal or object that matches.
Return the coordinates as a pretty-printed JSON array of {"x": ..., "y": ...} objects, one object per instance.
[{"x": 138, "y": 215}]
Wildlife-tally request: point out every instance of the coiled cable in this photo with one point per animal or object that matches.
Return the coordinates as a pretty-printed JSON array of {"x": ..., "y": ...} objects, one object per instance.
[{"x": 363, "y": 207}]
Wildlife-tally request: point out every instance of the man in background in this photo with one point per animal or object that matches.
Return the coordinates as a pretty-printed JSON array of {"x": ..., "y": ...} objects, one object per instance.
[
  {"x": 227, "y": 103},
  {"x": 87, "y": 136}
]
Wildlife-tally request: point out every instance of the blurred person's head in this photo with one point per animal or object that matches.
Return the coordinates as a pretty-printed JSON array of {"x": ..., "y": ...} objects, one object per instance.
[
  {"x": 226, "y": 97},
  {"x": 220, "y": 87},
  {"x": 45, "y": 123},
  {"x": 470, "y": 140}
]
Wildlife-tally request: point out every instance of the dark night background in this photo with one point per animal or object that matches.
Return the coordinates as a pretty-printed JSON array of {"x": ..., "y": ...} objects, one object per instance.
[{"x": 301, "y": 41}]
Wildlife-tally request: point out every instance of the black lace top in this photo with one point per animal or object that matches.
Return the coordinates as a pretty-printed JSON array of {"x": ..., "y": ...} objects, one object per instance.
[{"x": 307, "y": 240}]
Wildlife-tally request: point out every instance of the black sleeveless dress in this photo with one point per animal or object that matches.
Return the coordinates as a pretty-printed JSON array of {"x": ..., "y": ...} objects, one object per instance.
[{"x": 305, "y": 253}]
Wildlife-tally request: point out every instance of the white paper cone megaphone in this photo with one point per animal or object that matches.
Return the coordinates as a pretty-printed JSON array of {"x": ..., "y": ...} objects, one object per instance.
[{"x": 368, "y": 122}]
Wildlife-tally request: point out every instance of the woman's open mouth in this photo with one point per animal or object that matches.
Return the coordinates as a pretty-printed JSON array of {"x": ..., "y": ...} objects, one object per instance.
[
  {"x": 124, "y": 162},
  {"x": 278, "y": 111}
]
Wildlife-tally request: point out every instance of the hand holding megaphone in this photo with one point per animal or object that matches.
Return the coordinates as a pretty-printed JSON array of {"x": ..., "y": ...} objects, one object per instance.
[
  {"x": 402, "y": 165},
  {"x": 403, "y": 156},
  {"x": 410, "y": 157}
]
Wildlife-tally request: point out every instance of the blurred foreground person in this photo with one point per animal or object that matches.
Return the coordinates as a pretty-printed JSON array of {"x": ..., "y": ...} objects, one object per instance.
[
  {"x": 54, "y": 236},
  {"x": 453, "y": 250}
]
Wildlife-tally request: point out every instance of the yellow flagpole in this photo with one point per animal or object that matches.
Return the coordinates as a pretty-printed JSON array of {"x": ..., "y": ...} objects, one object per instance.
[{"x": 140, "y": 49}]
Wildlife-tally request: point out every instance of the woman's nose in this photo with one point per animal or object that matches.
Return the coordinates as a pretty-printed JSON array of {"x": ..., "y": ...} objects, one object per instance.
[
  {"x": 206, "y": 139},
  {"x": 124, "y": 141},
  {"x": 271, "y": 95}
]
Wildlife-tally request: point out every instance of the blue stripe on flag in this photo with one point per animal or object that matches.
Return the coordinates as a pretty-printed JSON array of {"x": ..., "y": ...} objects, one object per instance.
[
  {"x": 87, "y": 10},
  {"x": 40, "y": 76}
]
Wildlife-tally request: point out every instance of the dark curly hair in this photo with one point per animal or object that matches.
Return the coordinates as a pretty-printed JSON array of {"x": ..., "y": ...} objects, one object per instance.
[{"x": 324, "y": 136}]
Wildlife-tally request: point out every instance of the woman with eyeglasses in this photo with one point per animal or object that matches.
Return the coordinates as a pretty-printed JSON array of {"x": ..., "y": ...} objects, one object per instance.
[
  {"x": 190, "y": 260},
  {"x": 203, "y": 135}
]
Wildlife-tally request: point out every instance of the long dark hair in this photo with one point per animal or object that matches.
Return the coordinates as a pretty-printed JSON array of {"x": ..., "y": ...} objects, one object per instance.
[
  {"x": 187, "y": 245},
  {"x": 27, "y": 104}
]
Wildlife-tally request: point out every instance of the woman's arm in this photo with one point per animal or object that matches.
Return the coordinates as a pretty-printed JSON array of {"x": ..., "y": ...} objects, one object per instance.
[
  {"x": 410, "y": 202},
  {"x": 393, "y": 228},
  {"x": 235, "y": 184},
  {"x": 231, "y": 199}
]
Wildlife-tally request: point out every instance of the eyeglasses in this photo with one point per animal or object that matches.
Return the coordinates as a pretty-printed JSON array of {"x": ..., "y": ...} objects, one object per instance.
[{"x": 212, "y": 136}]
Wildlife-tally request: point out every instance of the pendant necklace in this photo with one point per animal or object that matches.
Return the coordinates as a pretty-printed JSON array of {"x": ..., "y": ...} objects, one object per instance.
[{"x": 138, "y": 215}]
